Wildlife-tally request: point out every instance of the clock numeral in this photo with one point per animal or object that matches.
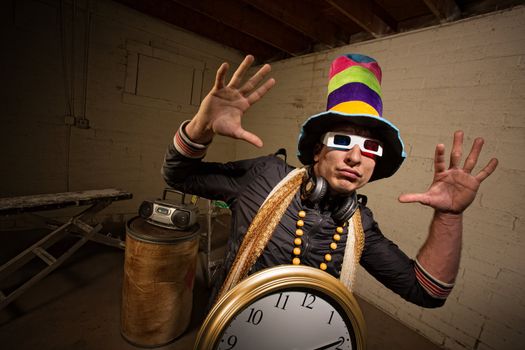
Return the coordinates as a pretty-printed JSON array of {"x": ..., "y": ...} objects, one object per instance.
[
  {"x": 255, "y": 316},
  {"x": 232, "y": 341},
  {"x": 285, "y": 301},
  {"x": 308, "y": 300},
  {"x": 341, "y": 342},
  {"x": 331, "y": 315}
]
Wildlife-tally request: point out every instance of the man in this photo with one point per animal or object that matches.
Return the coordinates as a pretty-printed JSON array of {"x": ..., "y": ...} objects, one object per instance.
[{"x": 312, "y": 215}]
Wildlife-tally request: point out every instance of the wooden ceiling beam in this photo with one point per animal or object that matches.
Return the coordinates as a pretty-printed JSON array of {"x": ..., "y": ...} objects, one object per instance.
[
  {"x": 444, "y": 10},
  {"x": 303, "y": 17},
  {"x": 362, "y": 13},
  {"x": 251, "y": 22},
  {"x": 385, "y": 16},
  {"x": 180, "y": 16},
  {"x": 417, "y": 22}
]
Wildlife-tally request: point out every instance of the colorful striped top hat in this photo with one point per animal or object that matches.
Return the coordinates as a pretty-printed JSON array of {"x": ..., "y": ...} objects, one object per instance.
[{"x": 354, "y": 97}]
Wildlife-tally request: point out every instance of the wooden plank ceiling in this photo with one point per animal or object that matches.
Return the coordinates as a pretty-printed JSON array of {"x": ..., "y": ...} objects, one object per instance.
[{"x": 277, "y": 29}]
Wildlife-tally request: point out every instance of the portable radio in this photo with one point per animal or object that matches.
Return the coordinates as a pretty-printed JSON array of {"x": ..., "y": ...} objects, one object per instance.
[{"x": 169, "y": 213}]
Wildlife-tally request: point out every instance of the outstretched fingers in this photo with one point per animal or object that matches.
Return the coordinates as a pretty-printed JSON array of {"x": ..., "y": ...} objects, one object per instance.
[
  {"x": 237, "y": 77},
  {"x": 261, "y": 91},
  {"x": 439, "y": 158},
  {"x": 414, "y": 197},
  {"x": 249, "y": 89},
  {"x": 221, "y": 75},
  {"x": 252, "y": 83},
  {"x": 487, "y": 170},
  {"x": 457, "y": 149},
  {"x": 473, "y": 156},
  {"x": 248, "y": 137}
]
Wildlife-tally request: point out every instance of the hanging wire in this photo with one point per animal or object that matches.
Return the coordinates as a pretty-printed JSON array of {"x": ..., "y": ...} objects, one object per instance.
[
  {"x": 69, "y": 110},
  {"x": 67, "y": 94},
  {"x": 87, "y": 33},
  {"x": 69, "y": 72},
  {"x": 73, "y": 25}
]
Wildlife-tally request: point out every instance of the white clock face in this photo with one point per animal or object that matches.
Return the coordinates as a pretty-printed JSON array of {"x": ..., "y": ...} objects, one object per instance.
[{"x": 301, "y": 320}]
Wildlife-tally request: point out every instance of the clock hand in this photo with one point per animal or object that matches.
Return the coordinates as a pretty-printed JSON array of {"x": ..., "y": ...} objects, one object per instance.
[{"x": 328, "y": 346}]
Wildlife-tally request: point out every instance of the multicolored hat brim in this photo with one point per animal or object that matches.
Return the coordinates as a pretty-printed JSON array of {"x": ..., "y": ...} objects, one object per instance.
[{"x": 393, "y": 147}]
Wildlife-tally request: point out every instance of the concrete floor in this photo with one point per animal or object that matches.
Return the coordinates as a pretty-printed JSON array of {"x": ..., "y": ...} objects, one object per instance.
[{"x": 78, "y": 307}]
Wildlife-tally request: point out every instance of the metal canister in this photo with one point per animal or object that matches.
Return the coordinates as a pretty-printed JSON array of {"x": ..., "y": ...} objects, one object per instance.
[{"x": 159, "y": 274}]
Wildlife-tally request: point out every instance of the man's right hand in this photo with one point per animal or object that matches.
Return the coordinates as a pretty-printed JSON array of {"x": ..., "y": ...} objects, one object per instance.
[{"x": 222, "y": 109}]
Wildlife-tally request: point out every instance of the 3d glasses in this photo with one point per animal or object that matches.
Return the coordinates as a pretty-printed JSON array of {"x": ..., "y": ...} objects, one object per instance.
[{"x": 344, "y": 141}]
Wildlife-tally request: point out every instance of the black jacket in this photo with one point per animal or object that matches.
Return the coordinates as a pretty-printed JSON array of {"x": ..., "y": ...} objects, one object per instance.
[{"x": 245, "y": 184}]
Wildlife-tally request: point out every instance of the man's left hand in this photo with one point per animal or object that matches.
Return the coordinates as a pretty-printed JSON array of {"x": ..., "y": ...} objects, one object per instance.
[{"x": 453, "y": 189}]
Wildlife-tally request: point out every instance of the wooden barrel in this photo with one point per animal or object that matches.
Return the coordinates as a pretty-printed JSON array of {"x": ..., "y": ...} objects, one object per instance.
[{"x": 157, "y": 291}]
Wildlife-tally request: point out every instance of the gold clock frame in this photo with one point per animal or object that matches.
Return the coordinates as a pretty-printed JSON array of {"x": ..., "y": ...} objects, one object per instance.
[{"x": 268, "y": 281}]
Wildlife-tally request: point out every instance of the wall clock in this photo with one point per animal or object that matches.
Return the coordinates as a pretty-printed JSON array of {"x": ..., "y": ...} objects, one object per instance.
[{"x": 285, "y": 307}]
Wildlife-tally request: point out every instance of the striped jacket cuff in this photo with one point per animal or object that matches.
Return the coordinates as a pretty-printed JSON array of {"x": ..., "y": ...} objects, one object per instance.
[
  {"x": 433, "y": 286},
  {"x": 185, "y": 146}
]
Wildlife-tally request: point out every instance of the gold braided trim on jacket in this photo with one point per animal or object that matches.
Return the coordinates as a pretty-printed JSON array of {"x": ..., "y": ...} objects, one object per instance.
[{"x": 264, "y": 223}]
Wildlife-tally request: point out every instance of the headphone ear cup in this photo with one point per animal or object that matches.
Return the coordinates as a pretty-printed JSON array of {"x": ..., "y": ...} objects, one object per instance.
[
  {"x": 347, "y": 209},
  {"x": 315, "y": 189}
]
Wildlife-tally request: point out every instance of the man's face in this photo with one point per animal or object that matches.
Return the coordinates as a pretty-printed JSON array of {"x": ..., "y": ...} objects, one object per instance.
[{"x": 344, "y": 170}]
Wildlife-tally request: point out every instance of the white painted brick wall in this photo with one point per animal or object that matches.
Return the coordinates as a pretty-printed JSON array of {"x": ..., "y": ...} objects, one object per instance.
[{"x": 468, "y": 75}]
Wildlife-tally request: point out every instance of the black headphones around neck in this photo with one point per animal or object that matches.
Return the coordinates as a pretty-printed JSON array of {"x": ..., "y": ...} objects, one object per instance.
[{"x": 315, "y": 188}]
